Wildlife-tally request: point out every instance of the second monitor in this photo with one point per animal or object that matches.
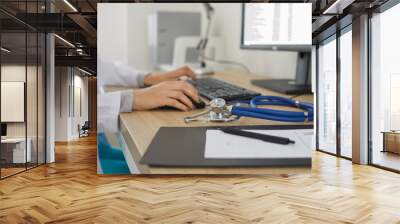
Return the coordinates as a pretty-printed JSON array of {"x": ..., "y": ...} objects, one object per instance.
[{"x": 285, "y": 27}]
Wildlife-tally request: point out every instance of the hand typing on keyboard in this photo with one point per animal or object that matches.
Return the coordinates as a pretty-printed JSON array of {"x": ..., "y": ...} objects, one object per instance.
[
  {"x": 166, "y": 90},
  {"x": 182, "y": 73}
]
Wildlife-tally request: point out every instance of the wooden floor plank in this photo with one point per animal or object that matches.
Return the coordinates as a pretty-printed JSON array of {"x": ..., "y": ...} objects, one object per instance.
[{"x": 70, "y": 191}]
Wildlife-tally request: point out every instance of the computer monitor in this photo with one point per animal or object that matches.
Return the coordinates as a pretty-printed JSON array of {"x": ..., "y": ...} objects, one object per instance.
[
  {"x": 284, "y": 27},
  {"x": 3, "y": 130}
]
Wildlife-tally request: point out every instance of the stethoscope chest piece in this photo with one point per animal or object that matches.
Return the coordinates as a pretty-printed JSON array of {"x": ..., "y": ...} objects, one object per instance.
[{"x": 217, "y": 111}]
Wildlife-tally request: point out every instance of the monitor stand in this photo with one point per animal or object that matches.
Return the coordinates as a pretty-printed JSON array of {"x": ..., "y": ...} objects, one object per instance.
[{"x": 302, "y": 83}]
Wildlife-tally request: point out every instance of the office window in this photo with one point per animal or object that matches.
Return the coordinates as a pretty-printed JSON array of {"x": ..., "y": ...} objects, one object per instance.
[
  {"x": 385, "y": 89},
  {"x": 346, "y": 92},
  {"x": 327, "y": 95}
]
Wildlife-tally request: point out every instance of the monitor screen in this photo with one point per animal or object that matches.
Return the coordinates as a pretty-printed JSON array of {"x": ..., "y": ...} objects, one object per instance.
[
  {"x": 3, "y": 129},
  {"x": 277, "y": 26}
]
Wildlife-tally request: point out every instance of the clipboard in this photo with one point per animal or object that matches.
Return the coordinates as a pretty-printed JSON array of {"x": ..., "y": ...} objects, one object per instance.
[{"x": 184, "y": 147}]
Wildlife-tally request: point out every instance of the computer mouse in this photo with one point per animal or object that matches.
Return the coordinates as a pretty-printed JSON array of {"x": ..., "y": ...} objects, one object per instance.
[{"x": 198, "y": 105}]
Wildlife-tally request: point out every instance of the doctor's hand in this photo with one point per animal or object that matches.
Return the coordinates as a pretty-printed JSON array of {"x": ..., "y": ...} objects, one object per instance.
[
  {"x": 169, "y": 93},
  {"x": 158, "y": 77}
]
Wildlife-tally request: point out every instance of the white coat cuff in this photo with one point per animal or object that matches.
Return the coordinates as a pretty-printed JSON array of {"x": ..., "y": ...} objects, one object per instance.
[
  {"x": 126, "y": 101},
  {"x": 140, "y": 79}
]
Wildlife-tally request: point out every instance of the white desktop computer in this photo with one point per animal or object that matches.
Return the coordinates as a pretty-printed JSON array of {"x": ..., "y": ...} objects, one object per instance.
[{"x": 164, "y": 27}]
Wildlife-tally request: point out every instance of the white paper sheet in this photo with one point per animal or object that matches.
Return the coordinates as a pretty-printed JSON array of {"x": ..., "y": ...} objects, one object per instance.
[{"x": 222, "y": 145}]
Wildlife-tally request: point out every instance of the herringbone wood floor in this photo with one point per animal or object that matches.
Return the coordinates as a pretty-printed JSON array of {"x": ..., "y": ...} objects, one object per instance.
[{"x": 70, "y": 191}]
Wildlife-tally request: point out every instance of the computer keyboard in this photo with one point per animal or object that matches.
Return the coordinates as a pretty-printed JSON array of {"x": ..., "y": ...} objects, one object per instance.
[{"x": 211, "y": 88}]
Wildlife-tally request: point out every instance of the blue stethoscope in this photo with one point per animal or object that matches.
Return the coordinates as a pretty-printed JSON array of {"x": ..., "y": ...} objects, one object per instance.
[
  {"x": 219, "y": 111},
  {"x": 276, "y": 115}
]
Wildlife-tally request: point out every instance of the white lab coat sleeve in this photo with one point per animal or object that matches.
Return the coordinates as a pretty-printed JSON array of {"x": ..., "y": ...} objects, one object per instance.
[
  {"x": 119, "y": 74},
  {"x": 122, "y": 75},
  {"x": 111, "y": 104},
  {"x": 108, "y": 107},
  {"x": 126, "y": 100}
]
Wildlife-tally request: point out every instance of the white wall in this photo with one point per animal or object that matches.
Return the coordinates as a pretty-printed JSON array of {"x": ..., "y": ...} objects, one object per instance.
[
  {"x": 112, "y": 32},
  {"x": 62, "y": 81},
  {"x": 80, "y": 82},
  {"x": 17, "y": 73},
  {"x": 66, "y": 121},
  {"x": 124, "y": 37}
]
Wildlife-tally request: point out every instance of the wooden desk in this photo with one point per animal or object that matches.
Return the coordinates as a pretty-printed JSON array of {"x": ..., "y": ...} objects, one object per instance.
[
  {"x": 139, "y": 128},
  {"x": 391, "y": 141}
]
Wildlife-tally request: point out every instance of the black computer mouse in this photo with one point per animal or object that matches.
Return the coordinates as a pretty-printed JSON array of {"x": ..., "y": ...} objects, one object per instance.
[{"x": 198, "y": 105}]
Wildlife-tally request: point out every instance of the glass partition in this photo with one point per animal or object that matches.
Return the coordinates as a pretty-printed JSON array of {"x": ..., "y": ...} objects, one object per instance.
[
  {"x": 14, "y": 153},
  {"x": 327, "y": 95},
  {"x": 35, "y": 89},
  {"x": 32, "y": 96},
  {"x": 22, "y": 77},
  {"x": 41, "y": 88}
]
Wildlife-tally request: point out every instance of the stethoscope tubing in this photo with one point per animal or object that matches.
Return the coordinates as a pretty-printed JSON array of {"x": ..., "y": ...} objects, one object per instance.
[
  {"x": 269, "y": 111},
  {"x": 276, "y": 115}
]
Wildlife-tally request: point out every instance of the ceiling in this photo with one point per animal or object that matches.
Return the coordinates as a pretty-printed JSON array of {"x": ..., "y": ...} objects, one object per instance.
[{"x": 76, "y": 22}]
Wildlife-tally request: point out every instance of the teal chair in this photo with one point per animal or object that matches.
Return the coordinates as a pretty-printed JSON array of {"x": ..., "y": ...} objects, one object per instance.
[{"x": 111, "y": 159}]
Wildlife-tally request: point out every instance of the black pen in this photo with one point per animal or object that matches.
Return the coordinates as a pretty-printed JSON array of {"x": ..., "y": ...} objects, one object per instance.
[{"x": 263, "y": 137}]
